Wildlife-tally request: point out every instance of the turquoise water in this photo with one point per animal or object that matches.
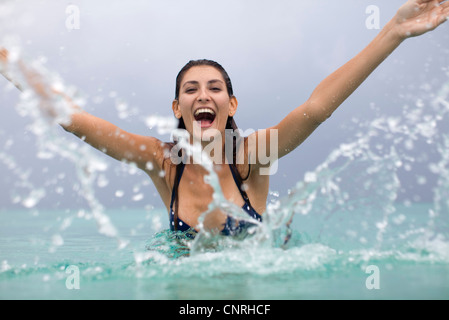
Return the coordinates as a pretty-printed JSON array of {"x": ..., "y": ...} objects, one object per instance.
[{"x": 35, "y": 252}]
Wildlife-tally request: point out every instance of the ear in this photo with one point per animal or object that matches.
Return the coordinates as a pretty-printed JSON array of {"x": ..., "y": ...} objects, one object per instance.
[
  {"x": 233, "y": 104},
  {"x": 176, "y": 109}
]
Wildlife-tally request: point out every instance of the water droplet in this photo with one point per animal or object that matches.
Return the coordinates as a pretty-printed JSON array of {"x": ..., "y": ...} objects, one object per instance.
[
  {"x": 119, "y": 193},
  {"x": 310, "y": 177},
  {"x": 149, "y": 166},
  {"x": 57, "y": 240},
  {"x": 138, "y": 197}
]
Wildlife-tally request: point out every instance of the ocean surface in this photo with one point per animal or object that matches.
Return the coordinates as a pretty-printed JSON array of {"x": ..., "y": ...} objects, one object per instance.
[{"x": 41, "y": 255}]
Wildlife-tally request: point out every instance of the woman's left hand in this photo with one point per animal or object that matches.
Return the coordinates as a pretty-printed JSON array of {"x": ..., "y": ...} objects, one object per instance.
[{"x": 417, "y": 17}]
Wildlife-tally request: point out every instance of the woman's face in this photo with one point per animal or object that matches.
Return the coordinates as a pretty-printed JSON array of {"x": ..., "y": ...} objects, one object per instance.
[{"x": 204, "y": 102}]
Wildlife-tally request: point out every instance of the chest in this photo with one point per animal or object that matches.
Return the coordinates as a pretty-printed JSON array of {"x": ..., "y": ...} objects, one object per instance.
[{"x": 196, "y": 189}]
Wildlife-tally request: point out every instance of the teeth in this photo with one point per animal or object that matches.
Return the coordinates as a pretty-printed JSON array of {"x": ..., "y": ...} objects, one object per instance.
[{"x": 204, "y": 110}]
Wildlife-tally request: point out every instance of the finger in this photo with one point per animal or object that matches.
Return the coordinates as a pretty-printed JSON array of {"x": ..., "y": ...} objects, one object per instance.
[
  {"x": 440, "y": 2},
  {"x": 444, "y": 5},
  {"x": 445, "y": 10},
  {"x": 444, "y": 16}
]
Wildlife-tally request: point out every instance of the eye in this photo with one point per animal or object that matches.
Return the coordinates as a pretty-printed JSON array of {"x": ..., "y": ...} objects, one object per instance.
[
  {"x": 216, "y": 89},
  {"x": 190, "y": 90}
]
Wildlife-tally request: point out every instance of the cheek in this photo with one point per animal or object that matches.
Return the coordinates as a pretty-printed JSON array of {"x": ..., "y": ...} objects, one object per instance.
[
  {"x": 223, "y": 101},
  {"x": 225, "y": 108},
  {"x": 184, "y": 107},
  {"x": 185, "y": 99}
]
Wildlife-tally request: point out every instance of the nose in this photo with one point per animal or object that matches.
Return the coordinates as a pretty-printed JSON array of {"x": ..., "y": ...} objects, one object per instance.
[{"x": 203, "y": 95}]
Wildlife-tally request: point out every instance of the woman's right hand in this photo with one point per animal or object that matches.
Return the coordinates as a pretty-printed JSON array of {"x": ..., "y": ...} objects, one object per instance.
[
  {"x": 417, "y": 17},
  {"x": 33, "y": 80}
]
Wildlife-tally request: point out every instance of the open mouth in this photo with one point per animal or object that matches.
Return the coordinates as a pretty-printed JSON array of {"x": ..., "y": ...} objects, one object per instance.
[{"x": 205, "y": 117}]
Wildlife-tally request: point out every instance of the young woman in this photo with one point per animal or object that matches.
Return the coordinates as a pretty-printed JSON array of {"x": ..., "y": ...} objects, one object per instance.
[{"x": 205, "y": 106}]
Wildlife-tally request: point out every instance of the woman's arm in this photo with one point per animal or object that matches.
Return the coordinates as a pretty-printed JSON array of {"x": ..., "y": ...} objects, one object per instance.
[
  {"x": 145, "y": 152},
  {"x": 4, "y": 68},
  {"x": 99, "y": 133},
  {"x": 414, "y": 18}
]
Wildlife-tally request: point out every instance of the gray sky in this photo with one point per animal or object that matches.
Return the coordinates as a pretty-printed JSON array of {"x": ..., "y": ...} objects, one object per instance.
[{"x": 275, "y": 52}]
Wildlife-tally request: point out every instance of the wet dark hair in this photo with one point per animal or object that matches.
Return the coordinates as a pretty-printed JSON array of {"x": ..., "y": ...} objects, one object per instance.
[
  {"x": 203, "y": 62},
  {"x": 230, "y": 123}
]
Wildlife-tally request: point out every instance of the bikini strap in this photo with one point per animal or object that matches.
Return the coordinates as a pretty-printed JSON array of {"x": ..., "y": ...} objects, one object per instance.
[
  {"x": 179, "y": 170},
  {"x": 238, "y": 181}
]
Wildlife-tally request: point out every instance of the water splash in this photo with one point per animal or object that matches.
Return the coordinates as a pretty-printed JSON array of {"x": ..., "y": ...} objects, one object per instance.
[
  {"x": 42, "y": 103},
  {"x": 349, "y": 203},
  {"x": 332, "y": 206}
]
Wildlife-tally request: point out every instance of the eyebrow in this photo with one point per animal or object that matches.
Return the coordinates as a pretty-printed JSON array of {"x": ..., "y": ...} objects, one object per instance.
[{"x": 196, "y": 82}]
